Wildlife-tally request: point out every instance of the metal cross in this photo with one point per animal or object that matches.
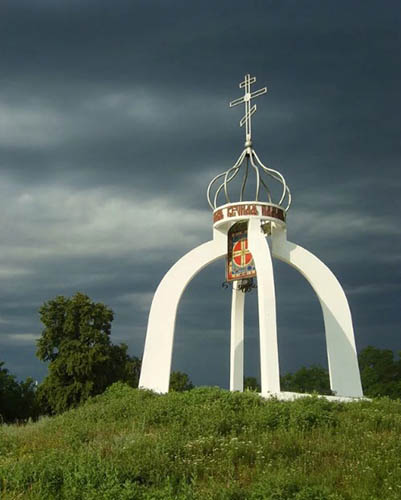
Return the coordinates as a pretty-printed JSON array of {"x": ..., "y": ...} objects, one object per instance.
[{"x": 249, "y": 111}]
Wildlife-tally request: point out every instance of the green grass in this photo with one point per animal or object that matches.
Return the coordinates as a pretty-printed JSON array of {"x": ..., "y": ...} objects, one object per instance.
[{"x": 205, "y": 444}]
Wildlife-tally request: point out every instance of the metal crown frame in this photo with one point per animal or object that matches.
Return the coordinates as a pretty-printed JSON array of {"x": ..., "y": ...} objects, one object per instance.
[{"x": 247, "y": 158}]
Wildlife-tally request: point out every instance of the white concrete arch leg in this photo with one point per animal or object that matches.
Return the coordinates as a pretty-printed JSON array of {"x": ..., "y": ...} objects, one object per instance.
[
  {"x": 156, "y": 361},
  {"x": 345, "y": 378},
  {"x": 269, "y": 362},
  {"x": 237, "y": 339}
]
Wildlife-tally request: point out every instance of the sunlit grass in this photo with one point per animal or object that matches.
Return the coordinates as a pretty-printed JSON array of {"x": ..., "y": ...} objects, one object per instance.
[{"x": 206, "y": 444}]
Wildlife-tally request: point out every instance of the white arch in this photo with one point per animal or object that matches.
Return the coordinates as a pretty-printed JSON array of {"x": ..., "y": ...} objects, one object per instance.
[
  {"x": 237, "y": 339},
  {"x": 269, "y": 363},
  {"x": 156, "y": 362},
  {"x": 341, "y": 350},
  {"x": 344, "y": 373}
]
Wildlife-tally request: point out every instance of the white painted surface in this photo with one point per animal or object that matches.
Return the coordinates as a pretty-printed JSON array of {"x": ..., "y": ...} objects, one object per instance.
[
  {"x": 237, "y": 339},
  {"x": 292, "y": 396},
  {"x": 156, "y": 361},
  {"x": 341, "y": 351},
  {"x": 269, "y": 363},
  {"x": 344, "y": 373}
]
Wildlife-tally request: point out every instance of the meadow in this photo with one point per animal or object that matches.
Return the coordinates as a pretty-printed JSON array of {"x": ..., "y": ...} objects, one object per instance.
[{"x": 203, "y": 444}]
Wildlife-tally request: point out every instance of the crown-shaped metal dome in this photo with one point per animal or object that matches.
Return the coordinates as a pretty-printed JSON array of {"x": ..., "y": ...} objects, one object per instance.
[{"x": 218, "y": 191}]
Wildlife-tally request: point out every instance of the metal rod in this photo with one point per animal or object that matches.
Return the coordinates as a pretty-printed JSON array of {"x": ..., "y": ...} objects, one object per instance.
[
  {"x": 257, "y": 177},
  {"x": 244, "y": 179},
  {"x": 276, "y": 175}
]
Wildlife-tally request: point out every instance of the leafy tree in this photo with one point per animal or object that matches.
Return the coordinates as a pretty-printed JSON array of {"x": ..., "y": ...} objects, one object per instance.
[
  {"x": 251, "y": 384},
  {"x": 82, "y": 359},
  {"x": 313, "y": 379},
  {"x": 17, "y": 399},
  {"x": 180, "y": 381},
  {"x": 380, "y": 373}
]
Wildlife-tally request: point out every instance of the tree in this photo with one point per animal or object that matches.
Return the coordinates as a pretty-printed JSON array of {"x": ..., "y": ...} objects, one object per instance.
[
  {"x": 380, "y": 373},
  {"x": 82, "y": 359},
  {"x": 17, "y": 399},
  {"x": 180, "y": 381},
  {"x": 313, "y": 379},
  {"x": 251, "y": 384}
]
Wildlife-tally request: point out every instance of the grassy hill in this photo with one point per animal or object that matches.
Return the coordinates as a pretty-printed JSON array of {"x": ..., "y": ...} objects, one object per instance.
[{"x": 205, "y": 444}]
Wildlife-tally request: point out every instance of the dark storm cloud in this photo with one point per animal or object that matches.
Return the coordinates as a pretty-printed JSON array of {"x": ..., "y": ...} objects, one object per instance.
[{"x": 114, "y": 114}]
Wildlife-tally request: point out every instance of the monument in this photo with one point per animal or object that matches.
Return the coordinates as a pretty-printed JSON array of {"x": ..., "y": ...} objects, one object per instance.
[{"x": 242, "y": 230}]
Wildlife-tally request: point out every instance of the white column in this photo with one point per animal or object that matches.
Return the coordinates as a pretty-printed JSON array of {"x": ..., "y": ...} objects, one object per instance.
[
  {"x": 237, "y": 339},
  {"x": 345, "y": 378},
  {"x": 156, "y": 361},
  {"x": 269, "y": 362}
]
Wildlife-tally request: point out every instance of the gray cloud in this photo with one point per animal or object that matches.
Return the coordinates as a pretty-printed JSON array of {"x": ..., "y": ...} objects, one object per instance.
[{"x": 113, "y": 119}]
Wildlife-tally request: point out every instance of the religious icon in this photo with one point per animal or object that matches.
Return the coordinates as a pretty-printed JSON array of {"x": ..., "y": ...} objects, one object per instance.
[{"x": 240, "y": 264}]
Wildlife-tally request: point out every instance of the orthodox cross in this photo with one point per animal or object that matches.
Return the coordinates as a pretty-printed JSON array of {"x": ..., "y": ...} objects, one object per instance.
[{"x": 249, "y": 111}]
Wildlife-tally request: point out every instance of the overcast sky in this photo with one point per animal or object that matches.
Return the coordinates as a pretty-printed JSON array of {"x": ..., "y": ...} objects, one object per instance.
[{"x": 113, "y": 119}]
